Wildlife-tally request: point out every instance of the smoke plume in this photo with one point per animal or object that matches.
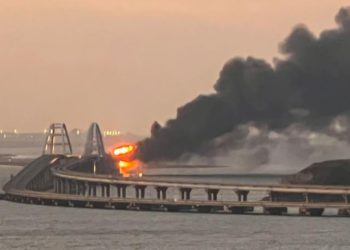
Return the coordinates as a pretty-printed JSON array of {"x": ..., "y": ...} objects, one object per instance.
[{"x": 310, "y": 87}]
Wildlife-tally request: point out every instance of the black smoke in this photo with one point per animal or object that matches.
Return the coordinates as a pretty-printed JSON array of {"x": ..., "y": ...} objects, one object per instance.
[{"x": 310, "y": 86}]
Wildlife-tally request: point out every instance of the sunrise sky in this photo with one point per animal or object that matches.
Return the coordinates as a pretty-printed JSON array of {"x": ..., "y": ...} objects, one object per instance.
[{"x": 128, "y": 63}]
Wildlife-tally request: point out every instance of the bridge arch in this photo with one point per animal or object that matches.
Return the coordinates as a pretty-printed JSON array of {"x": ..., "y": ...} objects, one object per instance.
[
  {"x": 94, "y": 142},
  {"x": 57, "y": 140}
]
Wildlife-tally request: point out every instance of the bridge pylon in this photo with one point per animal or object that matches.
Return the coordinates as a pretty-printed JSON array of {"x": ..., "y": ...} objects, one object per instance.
[
  {"x": 57, "y": 140},
  {"x": 94, "y": 142}
]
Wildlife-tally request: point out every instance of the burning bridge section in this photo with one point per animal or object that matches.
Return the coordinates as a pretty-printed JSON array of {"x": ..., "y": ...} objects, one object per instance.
[
  {"x": 58, "y": 154},
  {"x": 58, "y": 178},
  {"x": 126, "y": 162}
]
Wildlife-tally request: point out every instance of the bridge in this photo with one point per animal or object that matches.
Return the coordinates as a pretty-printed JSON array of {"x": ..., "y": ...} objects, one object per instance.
[{"x": 92, "y": 180}]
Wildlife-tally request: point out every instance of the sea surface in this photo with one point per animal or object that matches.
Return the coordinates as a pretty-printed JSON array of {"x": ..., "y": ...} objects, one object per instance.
[{"x": 43, "y": 227}]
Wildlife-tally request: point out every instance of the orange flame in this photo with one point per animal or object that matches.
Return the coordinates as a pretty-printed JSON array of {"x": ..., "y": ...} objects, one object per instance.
[
  {"x": 128, "y": 168},
  {"x": 126, "y": 165},
  {"x": 124, "y": 150}
]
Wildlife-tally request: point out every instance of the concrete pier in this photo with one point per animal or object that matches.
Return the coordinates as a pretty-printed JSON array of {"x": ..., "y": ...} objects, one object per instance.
[
  {"x": 140, "y": 191},
  {"x": 121, "y": 190},
  {"x": 212, "y": 194},
  {"x": 242, "y": 195},
  {"x": 185, "y": 193},
  {"x": 161, "y": 192}
]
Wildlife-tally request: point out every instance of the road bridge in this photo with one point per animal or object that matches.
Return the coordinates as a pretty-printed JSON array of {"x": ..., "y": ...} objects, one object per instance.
[{"x": 66, "y": 180}]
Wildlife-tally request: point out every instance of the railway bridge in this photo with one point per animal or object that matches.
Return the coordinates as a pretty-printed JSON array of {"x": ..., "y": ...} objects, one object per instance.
[{"x": 92, "y": 181}]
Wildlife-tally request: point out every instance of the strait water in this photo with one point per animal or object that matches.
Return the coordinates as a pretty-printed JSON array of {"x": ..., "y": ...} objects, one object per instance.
[{"x": 44, "y": 227}]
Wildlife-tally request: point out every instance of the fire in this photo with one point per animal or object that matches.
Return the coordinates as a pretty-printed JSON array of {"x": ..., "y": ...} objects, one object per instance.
[
  {"x": 125, "y": 150},
  {"x": 126, "y": 164},
  {"x": 129, "y": 168}
]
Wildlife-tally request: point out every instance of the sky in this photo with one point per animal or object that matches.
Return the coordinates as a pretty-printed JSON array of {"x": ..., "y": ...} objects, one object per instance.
[{"x": 126, "y": 64}]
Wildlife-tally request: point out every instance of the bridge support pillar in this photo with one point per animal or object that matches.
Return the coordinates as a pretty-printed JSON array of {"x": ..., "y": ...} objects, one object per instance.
[
  {"x": 140, "y": 191},
  {"x": 71, "y": 187},
  {"x": 212, "y": 194},
  {"x": 76, "y": 188},
  {"x": 161, "y": 193},
  {"x": 60, "y": 186},
  {"x": 66, "y": 187},
  {"x": 185, "y": 193},
  {"x": 121, "y": 191},
  {"x": 89, "y": 188},
  {"x": 103, "y": 193},
  {"x": 86, "y": 188},
  {"x": 55, "y": 188},
  {"x": 83, "y": 187},
  {"x": 105, "y": 190},
  {"x": 242, "y": 195},
  {"x": 80, "y": 188},
  {"x": 94, "y": 189},
  {"x": 108, "y": 190},
  {"x": 54, "y": 183}
]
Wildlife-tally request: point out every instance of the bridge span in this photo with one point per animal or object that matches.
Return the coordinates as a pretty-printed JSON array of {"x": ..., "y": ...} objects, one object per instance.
[{"x": 92, "y": 181}]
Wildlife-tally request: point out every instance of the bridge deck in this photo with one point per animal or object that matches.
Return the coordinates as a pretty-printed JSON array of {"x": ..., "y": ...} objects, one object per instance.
[
  {"x": 111, "y": 200},
  {"x": 79, "y": 189},
  {"x": 317, "y": 189}
]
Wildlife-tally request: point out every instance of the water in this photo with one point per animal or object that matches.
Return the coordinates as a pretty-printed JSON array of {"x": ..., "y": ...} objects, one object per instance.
[{"x": 43, "y": 227}]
